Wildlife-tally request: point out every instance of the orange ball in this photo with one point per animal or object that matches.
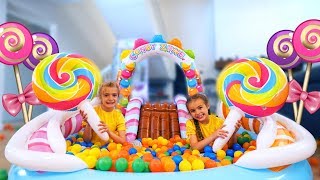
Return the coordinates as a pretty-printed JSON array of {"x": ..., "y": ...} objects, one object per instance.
[
  {"x": 210, "y": 164},
  {"x": 112, "y": 146},
  {"x": 147, "y": 157},
  {"x": 253, "y": 143},
  {"x": 169, "y": 165},
  {"x": 155, "y": 165},
  {"x": 123, "y": 154},
  {"x": 246, "y": 145}
]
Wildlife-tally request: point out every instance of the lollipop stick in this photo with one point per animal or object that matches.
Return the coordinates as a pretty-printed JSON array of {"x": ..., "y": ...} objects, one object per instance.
[
  {"x": 19, "y": 85},
  {"x": 304, "y": 88},
  {"x": 295, "y": 106},
  {"x": 30, "y": 111}
]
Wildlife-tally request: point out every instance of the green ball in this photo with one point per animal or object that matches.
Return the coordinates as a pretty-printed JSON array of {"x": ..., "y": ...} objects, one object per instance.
[
  {"x": 138, "y": 165},
  {"x": 121, "y": 165},
  {"x": 246, "y": 139},
  {"x": 146, "y": 169},
  {"x": 240, "y": 140},
  {"x": 3, "y": 174},
  {"x": 244, "y": 133},
  {"x": 104, "y": 164}
]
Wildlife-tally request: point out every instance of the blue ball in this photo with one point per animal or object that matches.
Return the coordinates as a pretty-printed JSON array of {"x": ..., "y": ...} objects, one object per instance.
[
  {"x": 176, "y": 147},
  {"x": 207, "y": 149},
  {"x": 177, "y": 159},
  {"x": 148, "y": 150},
  {"x": 89, "y": 144},
  {"x": 83, "y": 144},
  {"x": 242, "y": 150},
  {"x": 230, "y": 152},
  {"x": 212, "y": 156},
  {"x": 154, "y": 154},
  {"x": 236, "y": 147},
  {"x": 170, "y": 151},
  {"x": 132, "y": 151},
  {"x": 182, "y": 149}
]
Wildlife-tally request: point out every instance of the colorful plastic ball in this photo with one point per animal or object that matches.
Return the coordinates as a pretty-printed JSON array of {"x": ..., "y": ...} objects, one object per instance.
[
  {"x": 212, "y": 156},
  {"x": 124, "y": 101},
  {"x": 132, "y": 151},
  {"x": 3, "y": 174},
  {"x": 146, "y": 169},
  {"x": 221, "y": 153},
  {"x": 124, "y": 83},
  {"x": 190, "y": 74},
  {"x": 197, "y": 164},
  {"x": 207, "y": 149},
  {"x": 104, "y": 164},
  {"x": 210, "y": 164},
  {"x": 125, "y": 74},
  {"x": 131, "y": 66},
  {"x": 244, "y": 133},
  {"x": 192, "y": 83},
  {"x": 155, "y": 166},
  {"x": 170, "y": 151},
  {"x": 90, "y": 161},
  {"x": 177, "y": 159},
  {"x": 199, "y": 88},
  {"x": 176, "y": 147},
  {"x": 121, "y": 165},
  {"x": 169, "y": 165},
  {"x": 237, "y": 154},
  {"x": 236, "y": 147},
  {"x": 185, "y": 165},
  {"x": 230, "y": 152},
  {"x": 138, "y": 165},
  {"x": 182, "y": 149}
]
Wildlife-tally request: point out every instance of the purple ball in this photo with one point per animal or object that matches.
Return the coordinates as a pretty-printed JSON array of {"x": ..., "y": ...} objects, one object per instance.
[{"x": 280, "y": 50}]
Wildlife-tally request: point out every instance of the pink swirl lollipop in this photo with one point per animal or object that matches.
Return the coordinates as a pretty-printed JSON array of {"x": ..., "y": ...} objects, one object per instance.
[
  {"x": 15, "y": 47},
  {"x": 280, "y": 50},
  {"x": 15, "y": 43},
  {"x": 43, "y": 45},
  {"x": 306, "y": 42}
]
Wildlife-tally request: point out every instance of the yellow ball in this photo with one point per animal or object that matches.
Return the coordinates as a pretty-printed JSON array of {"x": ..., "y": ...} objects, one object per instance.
[
  {"x": 86, "y": 152},
  {"x": 221, "y": 153},
  {"x": 179, "y": 144},
  {"x": 185, "y": 165},
  {"x": 76, "y": 148},
  {"x": 97, "y": 144},
  {"x": 80, "y": 139},
  {"x": 195, "y": 152},
  {"x": 94, "y": 152},
  {"x": 90, "y": 161},
  {"x": 154, "y": 147},
  {"x": 197, "y": 164},
  {"x": 119, "y": 146},
  {"x": 81, "y": 156},
  {"x": 68, "y": 143},
  {"x": 237, "y": 153}
]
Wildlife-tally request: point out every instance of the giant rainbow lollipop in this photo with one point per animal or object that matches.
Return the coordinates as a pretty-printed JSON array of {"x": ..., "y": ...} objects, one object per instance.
[
  {"x": 280, "y": 50},
  {"x": 65, "y": 81},
  {"x": 15, "y": 47},
  {"x": 306, "y": 42},
  {"x": 254, "y": 87},
  {"x": 43, "y": 46}
]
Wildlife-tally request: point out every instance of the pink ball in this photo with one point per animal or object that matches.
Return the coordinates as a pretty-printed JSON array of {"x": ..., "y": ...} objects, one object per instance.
[
  {"x": 190, "y": 73},
  {"x": 200, "y": 88},
  {"x": 126, "y": 74}
]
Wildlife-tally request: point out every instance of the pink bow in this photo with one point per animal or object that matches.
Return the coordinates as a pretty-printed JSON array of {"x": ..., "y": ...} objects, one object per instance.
[
  {"x": 311, "y": 100},
  {"x": 12, "y": 103}
]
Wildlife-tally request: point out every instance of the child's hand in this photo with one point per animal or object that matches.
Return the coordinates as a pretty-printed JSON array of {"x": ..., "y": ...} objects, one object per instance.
[
  {"x": 221, "y": 133},
  {"x": 84, "y": 116},
  {"x": 103, "y": 127},
  {"x": 238, "y": 125}
]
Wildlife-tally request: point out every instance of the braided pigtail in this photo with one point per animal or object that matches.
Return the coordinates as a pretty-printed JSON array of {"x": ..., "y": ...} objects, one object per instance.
[{"x": 198, "y": 130}]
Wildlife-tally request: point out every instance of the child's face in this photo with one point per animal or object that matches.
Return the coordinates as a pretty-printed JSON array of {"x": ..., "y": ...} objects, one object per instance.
[
  {"x": 109, "y": 98},
  {"x": 199, "y": 110}
]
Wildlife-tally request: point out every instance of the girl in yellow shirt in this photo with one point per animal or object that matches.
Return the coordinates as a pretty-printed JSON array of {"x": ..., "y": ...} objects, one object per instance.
[
  {"x": 111, "y": 119},
  {"x": 204, "y": 128}
]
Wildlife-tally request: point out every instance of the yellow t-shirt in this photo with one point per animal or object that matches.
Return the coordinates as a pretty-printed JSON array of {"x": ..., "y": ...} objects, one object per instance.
[
  {"x": 113, "y": 119},
  {"x": 206, "y": 129}
]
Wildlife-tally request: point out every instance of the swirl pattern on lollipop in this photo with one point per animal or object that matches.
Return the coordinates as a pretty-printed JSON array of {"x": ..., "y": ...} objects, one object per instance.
[
  {"x": 306, "y": 40},
  {"x": 61, "y": 81},
  {"x": 257, "y": 86},
  {"x": 15, "y": 43},
  {"x": 280, "y": 50},
  {"x": 43, "y": 45}
]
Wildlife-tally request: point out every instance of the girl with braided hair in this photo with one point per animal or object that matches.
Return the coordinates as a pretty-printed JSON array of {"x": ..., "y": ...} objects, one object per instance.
[{"x": 205, "y": 127}]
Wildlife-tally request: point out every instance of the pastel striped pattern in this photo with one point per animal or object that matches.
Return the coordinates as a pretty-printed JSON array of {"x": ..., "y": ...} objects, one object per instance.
[
  {"x": 38, "y": 141},
  {"x": 283, "y": 138},
  {"x": 183, "y": 114},
  {"x": 72, "y": 125},
  {"x": 132, "y": 118}
]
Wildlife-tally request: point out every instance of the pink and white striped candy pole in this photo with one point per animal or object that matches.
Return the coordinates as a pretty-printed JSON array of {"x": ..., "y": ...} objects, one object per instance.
[
  {"x": 132, "y": 118},
  {"x": 183, "y": 114}
]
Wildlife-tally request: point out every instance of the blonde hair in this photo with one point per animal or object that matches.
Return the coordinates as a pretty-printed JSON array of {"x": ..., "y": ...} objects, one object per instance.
[{"x": 108, "y": 84}]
